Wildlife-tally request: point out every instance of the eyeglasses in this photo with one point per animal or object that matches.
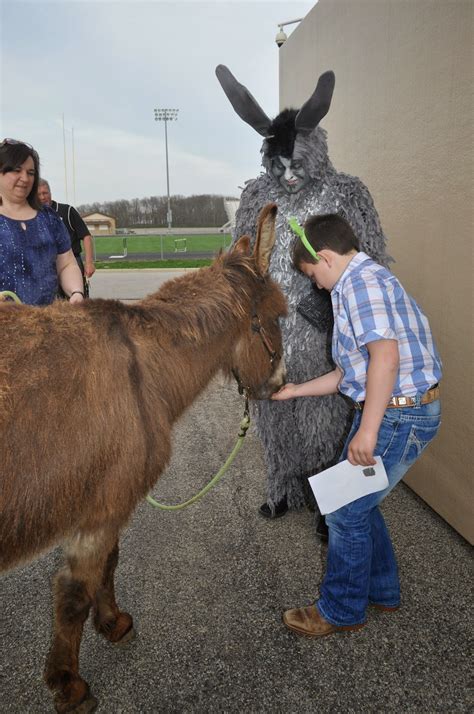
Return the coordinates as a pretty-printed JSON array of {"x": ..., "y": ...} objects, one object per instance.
[{"x": 13, "y": 142}]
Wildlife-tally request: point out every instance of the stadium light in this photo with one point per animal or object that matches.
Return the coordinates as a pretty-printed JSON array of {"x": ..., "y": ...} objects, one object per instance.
[{"x": 167, "y": 115}]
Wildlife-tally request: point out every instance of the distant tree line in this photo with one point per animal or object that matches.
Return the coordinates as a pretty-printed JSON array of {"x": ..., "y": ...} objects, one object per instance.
[{"x": 188, "y": 211}]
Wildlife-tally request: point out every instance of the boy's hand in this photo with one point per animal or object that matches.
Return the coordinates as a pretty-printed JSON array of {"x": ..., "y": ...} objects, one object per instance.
[
  {"x": 288, "y": 391},
  {"x": 361, "y": 448}
]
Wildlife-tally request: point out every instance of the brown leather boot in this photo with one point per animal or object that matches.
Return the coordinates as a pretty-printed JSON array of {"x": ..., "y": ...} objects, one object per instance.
[
  {"x": 308, "y": 621},
  {"x": 384, "y": 608}
]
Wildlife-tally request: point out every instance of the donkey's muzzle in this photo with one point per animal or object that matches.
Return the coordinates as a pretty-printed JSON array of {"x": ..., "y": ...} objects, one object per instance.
[{"x": 274, "y": 383}]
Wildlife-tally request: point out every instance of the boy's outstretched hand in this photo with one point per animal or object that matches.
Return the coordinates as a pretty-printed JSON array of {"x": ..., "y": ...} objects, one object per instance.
[{"x": 288, "y": 391}]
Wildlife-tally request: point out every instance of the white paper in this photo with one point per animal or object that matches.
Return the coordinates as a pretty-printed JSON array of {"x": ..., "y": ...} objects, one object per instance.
[{"x": 344, "y": 483}]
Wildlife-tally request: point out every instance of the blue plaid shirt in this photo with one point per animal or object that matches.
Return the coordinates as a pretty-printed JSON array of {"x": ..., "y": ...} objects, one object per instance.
[{"x": 370, "y": 304}]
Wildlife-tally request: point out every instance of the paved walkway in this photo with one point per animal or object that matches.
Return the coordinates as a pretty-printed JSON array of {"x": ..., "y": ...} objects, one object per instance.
[
  {"x": 207, "y": 587},
  {"x": 130, "y": 284}
]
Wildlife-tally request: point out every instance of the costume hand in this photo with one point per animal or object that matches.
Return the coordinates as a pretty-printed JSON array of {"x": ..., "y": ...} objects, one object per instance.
[
  {"x": 89, "y": 269},
  {"x": 286, "y": 392},
  {"x": 361, "y": 449}
]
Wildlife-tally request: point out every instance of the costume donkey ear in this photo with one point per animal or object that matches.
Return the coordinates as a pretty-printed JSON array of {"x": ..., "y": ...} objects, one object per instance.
[
  {"x": 317, "y": 105},
  {"x": 265, "y": 237},
  {"x": 244, "y": 104}
]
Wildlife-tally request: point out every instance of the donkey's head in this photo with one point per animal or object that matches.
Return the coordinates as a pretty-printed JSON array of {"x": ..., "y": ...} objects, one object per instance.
[{"x": 257, "y": 361}]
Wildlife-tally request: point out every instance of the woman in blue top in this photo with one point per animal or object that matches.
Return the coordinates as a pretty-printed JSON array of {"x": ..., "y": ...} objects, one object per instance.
[{"x": 35, "y": 249}]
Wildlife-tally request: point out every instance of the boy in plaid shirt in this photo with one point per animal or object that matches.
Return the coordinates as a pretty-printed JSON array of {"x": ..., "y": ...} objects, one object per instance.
[{"x": 388, "y": 365}]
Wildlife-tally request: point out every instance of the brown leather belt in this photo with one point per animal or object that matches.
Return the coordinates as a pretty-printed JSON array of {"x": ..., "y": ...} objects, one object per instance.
[{"x": 401, "y": 402}]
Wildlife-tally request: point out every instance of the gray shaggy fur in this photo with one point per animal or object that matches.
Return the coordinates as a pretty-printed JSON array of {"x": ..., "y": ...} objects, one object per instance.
[{"x": 304, "y": 436}]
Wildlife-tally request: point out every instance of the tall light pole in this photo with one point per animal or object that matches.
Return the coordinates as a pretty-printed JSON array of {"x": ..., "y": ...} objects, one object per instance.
[
  {"x": 167, "y": 115},
  {"x": 65, "y": 165},
  {"x": 73, "y": 169}
]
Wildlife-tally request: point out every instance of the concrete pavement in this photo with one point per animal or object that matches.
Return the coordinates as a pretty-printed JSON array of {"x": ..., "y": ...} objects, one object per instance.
[
  {"x": 207, "y": 586},
  {"x": 130, "y": 284}
]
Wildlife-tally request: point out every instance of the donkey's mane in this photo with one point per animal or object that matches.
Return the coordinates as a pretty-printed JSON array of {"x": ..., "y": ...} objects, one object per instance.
[
  {"x": 202, "y": 303},
  {"x": 199, "y": 306}
]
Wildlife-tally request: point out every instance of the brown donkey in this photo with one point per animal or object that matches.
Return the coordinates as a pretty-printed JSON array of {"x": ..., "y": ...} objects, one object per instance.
[{"x": 88, "y": 397}]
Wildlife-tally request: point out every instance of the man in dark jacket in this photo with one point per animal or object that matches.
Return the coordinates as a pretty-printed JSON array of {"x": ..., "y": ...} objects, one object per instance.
[{"x": 77, "y": 229}]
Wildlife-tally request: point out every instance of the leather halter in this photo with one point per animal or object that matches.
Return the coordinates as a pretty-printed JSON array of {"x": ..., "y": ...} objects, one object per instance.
[
  {"x": 260, "y": 330},
  {"x": 256, "y": 326}
]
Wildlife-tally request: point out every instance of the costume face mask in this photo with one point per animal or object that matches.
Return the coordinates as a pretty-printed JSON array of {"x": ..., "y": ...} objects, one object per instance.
[
  {"x": 281, "y": 134},
  {"x": 290, "y": 173}
]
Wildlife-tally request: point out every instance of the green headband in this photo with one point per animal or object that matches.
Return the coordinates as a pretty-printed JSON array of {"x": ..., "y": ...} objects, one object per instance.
[{"x": 296, "y": 228}]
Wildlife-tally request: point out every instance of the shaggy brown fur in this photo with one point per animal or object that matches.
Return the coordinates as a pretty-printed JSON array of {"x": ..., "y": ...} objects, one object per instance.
[{"x": 88, "y": 397}]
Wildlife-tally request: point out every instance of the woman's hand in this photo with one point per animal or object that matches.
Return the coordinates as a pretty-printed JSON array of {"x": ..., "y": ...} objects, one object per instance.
[
  {"x": 288, "y": 391},
  {"x": 70, "y": 277},
  {"x": 361, "y": 448},
  {"x": 76, "y": 297}
]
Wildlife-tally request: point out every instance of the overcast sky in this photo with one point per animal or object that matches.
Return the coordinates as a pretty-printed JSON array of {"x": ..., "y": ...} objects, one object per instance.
[{"x": 106, "y": 65}]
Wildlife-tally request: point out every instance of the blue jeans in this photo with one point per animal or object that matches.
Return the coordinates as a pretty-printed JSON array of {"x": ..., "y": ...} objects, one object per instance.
[{"x": 361, "y": 565}]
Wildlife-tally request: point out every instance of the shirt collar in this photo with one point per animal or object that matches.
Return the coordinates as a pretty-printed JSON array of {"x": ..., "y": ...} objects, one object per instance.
[{"x": 356, "y": 261}]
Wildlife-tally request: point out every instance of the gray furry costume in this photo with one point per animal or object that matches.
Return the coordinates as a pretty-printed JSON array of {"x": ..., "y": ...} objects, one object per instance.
[{"x": 301, "y": 436}]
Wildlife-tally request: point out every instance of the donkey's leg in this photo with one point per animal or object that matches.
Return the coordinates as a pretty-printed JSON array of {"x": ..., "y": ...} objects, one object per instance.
[
  {"x": 115, "y": 625},
  {"x": 75, "y": 588}
]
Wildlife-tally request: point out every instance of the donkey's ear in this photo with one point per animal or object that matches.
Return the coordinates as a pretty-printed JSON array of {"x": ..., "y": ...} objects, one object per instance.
[
  {"x": 317, "y": 105},
  {"x": 242, "y": 245},
  {"x": 265, "y": 237},
  {"x": 243, "y": 102}
]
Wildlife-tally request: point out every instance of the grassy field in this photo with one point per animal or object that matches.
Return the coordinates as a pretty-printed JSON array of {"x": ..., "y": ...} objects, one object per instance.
[
  {"x": 124, "y": 264},
  {"x": 136, "y": 244}
]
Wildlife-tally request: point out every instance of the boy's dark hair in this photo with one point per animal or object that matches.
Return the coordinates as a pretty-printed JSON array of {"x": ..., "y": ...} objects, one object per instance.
[
  {"x": 325, "y": 231},
  {"x": 13, "y": 155}
]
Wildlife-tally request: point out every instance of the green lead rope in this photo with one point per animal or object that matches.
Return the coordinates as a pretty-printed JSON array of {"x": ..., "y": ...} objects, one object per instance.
[
  {"x": 244, "y": 425},
  {"x": 13, "y": 296}
]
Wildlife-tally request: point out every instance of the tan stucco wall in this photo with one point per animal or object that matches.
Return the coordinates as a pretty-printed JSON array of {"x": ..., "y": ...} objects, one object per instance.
[
  {"x": 402, "y": 119},
  {"x": 94, "y": 221}
]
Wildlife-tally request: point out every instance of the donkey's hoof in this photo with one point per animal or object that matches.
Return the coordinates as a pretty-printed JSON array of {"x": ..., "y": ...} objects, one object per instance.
[
  {"x": 119, "y": 631},
  {"x": 124, "y": 631},
  {"x": 128, "y": 637},
  {"x": 86, "y": 706},
  {"x": 74, "y": 698}
]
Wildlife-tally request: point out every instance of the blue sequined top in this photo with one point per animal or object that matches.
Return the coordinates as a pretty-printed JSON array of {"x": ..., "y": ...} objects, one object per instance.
[{"x": 28, "y": 252}]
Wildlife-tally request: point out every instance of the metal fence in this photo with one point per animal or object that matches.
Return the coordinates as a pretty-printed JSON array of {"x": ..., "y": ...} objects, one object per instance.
[{"x": 167, "y": 246}]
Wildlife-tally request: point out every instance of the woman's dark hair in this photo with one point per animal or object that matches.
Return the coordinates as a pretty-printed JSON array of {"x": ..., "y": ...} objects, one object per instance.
[
  {"x": 13, "y": 155},
  {"x": 326, "y": 231}
]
